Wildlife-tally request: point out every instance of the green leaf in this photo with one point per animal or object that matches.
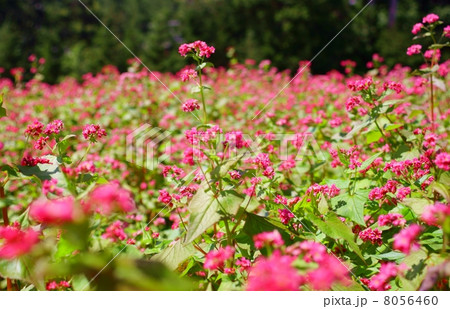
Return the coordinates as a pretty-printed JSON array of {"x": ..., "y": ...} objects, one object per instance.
[
  {"x": 413, "y": 277},
  {"x": 352, "y": 206},
  {"x": 336, "y": 229},
  {"x": 373, "y": 136},
  {"x": 417, "y": 205},
  {"x": 174, "y": 255},
  {"x": 390, "y": 256},
  {"x": 369, "y": 161},
  {"x": 255, "y": 224},
  {"x": 65, "y": 248},
  {"x": 2, "y": 109},
  {"x": 392, "y": 126},
  {"x": 12, "y": 171},
  {"x": 80, "y": 283},
  {"x": 206, "y": 209},
  {"x": 441, "y": 189},
  {"x": 44, "y": 171},
  {"x": 13, "y": 269},
  {"x": 439, "y": 46},
  {"x": 63, "y": 144}
]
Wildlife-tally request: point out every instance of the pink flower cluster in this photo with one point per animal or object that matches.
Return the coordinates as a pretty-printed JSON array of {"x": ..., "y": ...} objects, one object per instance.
[
  {"x": 430, "y": 18},
  {"x": 16, "y": 242},
  {"x": 108, "y": 198},
  {"x": 194, "y": 136},
  {"x": 200, "y": 48},
  {"x": 92, "y": 132},
  {"x": 268, "y": 239},
  {"x": 405, "y": 241},
  {"x": 359, "y": 85},
  {"x": 54, "y": 127},
  {"x": 57, "y": 286},
  {"x": 414, "y": 49},
  {"x": 436, "y": 214},
  {"x": 263, "y": 162},
  {"x": 374, "y": 236},
  {"x": 57, "y": 211},
  {"x": 285, "y": 215},
  {"x": 328, "y": 191},
  {"x": 442, "y": 161},
  {"x": 352, "y": 102},
  {"x": 380, "y": 281},
  {"x": 188, "y": 74},
  {"x": 235, "y": 139},
  {"x": 115, "y": 232},
  {"x": 33, "y": 161},
  {"x": 447, "y": 31},
  {"x": 36, "y": 130},
  {"x": 378, "y": 193},
  {"x": 416, "y": 28},
  {"x": 391, "y": 219},
  {"x": 190, "y": 105},
  {"x": 165, "y": 197},
  {"x": 215, "y": 259},
  {"x": 397, "y": 87},
  {"x": 274, "y": 274},
  {"x": 51, "y": 186},
  {"x": 329, "y": 268}
]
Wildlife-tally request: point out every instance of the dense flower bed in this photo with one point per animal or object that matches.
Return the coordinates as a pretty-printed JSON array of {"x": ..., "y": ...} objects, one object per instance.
[{"x": 338, "y": 181}]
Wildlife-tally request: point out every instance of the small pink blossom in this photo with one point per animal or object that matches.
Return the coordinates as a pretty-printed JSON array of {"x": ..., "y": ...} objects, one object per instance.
[
  {"x": 285, "y": 215},
  {"x": 416, "y": 28},
  {"x": 16, "y": 242},
  {"x": 93, "y": 132},
  {"x": 374, "y": 236},
  {"x": 380, "y": 281},
  {"x": 391, "y": 219},
  {"x": 447, "y": 31},
  {"x": 436, "y": 214},
  {"x": 108, "y": 198},
  {"x": 57, "y": 211},
  {"x": 268, "y": 239},
  {"x": 188, "y": 74},
  {"x": 274, "y": 274},
  {"x": 54, "y": 286},
  {"x": 115, "y": 232},
  {"x": 216, "y": 258},
  {"x": 403, "y": 192},
  {"x": 35, "y": 129},
  {"x": 190, "y": 105},
  {"x": 442, "y": 161},
  {"x": 54, "y": 127},
  {"x": 430, "y": 18},
  {"x": 405, "y": 241},
  {"x": 243, "y": 263},
  {"x": 414, "y": 49},
  {"x": 198, "y": 47}
]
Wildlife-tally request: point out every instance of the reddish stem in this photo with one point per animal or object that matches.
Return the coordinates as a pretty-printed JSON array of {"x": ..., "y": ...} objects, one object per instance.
[{"x": 5, "y": 223}]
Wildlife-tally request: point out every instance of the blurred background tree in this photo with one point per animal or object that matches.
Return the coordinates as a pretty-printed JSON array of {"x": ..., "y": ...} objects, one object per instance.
[{"x": 284, "y": 31}]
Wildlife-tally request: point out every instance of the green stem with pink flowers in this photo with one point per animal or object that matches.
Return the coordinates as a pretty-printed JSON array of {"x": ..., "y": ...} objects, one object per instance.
[{"x": 205, "y": 115}]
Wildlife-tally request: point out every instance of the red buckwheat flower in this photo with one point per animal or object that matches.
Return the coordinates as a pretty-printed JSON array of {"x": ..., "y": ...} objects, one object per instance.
[
  {"x": 190, "y": 105},
  {"x": 16, "y": 242},
  {"x": 405, "y": 241},
  {"x": 216, "y": 258}
]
